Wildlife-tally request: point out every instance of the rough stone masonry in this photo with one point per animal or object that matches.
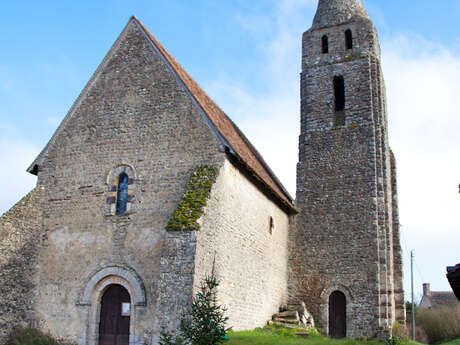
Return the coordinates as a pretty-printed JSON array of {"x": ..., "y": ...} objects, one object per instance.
[
  {"x": 347, "y": 232},
  {"x": 142, "y": 119}
]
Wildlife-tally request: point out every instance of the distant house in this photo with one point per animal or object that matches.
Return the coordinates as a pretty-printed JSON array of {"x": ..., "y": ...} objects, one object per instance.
[
  {"x": 434, "y": 299},
  {"x": 453, "y": 276}
]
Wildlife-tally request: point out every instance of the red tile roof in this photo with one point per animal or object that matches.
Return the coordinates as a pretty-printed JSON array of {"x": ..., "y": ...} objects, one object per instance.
[
  {"x": 234, "y": 140},
  {"x": 239, "y": 144}
]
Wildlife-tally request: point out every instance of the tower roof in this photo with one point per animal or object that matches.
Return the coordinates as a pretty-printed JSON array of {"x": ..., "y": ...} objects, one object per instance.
[{"x": 334, "y": 12}]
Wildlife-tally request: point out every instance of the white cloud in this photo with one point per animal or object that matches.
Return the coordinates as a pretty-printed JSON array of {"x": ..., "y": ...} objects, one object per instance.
[
  {"x": 271, "y": 119},
  {"x": 16, "y": 154},
  {"x": 423, "y": 102},
  {"x": 424, "y": 126}
]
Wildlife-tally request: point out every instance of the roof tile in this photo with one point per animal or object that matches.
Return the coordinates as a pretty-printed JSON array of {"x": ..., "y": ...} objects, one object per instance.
[{"x": 241, "y": 146}]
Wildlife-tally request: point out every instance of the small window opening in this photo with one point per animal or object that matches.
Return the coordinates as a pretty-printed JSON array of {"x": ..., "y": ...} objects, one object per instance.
[
  {"x": 271, "y": 225},
  {"x": 339, "y": 95},
  {"x": 325, "y": 44},
  {"x": 122, "y": 194},
  {"x": 348, "y": 39}
]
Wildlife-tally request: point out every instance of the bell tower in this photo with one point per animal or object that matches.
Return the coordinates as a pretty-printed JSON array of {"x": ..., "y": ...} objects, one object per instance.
[{"x": 347, "y": 233}]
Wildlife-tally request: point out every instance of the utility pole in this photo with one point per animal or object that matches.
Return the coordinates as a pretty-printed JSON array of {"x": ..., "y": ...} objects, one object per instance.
[{"x": 412, "y": 292}]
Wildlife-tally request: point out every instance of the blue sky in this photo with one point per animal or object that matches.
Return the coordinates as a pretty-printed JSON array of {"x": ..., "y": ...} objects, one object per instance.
[{"x": 246, "y": 55}]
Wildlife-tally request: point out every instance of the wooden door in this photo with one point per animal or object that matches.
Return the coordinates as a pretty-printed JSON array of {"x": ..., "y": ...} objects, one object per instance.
[
  {"x": 337, "y": 315},
  {"x": 114, "y": 325}
]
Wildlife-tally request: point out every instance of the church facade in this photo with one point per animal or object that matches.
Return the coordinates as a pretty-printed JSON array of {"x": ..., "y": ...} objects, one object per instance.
[{"x": 147, "y": 186}]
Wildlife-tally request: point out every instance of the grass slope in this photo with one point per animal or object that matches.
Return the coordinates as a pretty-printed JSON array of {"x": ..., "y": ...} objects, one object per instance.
[
  {"x": 452, "y": 342},
  {"x": 272, "y": 336}
]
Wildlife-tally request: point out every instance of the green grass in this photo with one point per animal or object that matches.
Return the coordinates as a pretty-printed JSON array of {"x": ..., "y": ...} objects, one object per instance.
[
  {"x": 273, "y": 336},
  {"x": 452, "y": 342}
]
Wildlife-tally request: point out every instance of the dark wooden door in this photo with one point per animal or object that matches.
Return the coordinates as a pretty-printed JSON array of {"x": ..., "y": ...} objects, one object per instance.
[
  {"x": 337, "y": 315},
  {"x": 113, "y": 326}
]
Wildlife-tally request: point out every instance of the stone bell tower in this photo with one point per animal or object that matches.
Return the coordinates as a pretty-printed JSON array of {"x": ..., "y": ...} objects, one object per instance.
[{"x": 345, "y": 245}]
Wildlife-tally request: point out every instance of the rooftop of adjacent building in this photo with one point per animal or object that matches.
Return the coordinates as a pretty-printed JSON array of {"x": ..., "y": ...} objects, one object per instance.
[
  {"x": 432, "y": 299},
  {"x": 453, "y": 276},
  {"x": 334, "y": 12}
]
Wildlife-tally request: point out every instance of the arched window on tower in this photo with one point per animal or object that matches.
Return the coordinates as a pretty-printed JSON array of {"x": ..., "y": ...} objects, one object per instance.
[
  {"x": 325, "y": 44},
  {"x": 348, "y": 39},
  {"x": 122, "y": 193},
  {"x": 339, "y": 97}
]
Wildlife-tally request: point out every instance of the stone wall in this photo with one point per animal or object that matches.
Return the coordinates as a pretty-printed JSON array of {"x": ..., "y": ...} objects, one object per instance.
[
  {"x": 400, "y": 302},
  {"x": 20, "y": 238},
  {"x": 250, "y": 262},
  {"x": 344, "y": 234},
  {"x": 134, "y": 117}
]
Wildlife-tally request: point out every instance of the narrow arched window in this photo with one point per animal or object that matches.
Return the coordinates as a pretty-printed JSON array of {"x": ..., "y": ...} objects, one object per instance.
[
  {"x": 325, "y": 44},
  {"x": 348, "y": 39},
  {"x": 339, "y": 96},
  {"x": 122, "y": 193}
]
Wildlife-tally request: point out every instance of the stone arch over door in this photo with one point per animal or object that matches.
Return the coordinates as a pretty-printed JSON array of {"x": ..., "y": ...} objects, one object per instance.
[
  {"x": 325, "y": 295},
  {"x": 89, "y": 301}
]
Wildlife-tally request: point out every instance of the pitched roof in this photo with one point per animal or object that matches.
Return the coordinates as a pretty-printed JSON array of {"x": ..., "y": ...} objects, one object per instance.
[
  {"x": 231, "y": 137},
  {"x": 453, "y": 276},
  {"x": 439, "y": 298}
]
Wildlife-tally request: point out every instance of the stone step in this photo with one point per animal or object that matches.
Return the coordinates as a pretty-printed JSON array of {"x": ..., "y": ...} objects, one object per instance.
[
  {"x": 284, "y": 325},
  {"x": 290, "y": 314},
  {"x": 289, "y": 321},
  {"x": 296, "y": 306}
]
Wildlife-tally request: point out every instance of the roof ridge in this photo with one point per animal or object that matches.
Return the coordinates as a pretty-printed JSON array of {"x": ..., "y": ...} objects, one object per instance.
[
  {"x": 33, "y": 168},
  {"x": 221, "y": 120},
  {"x": 223, "y": 127},
  {"x": 262, "y": 160}
]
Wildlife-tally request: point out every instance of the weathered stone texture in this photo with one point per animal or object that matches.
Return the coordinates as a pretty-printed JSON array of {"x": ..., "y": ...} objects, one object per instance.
[
  {"x": 142, "y": 115},
  {"x": 334, "y": 12},
  {"x": 20, "y": 238},
  {"x": 347, "y": 232},
  {"x": 250, "y": 262},
  {"x": 134, "y": 114}
]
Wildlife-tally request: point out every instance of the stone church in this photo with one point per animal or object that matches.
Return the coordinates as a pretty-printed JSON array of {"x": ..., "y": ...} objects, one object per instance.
[{"x": 147, "y": 186}]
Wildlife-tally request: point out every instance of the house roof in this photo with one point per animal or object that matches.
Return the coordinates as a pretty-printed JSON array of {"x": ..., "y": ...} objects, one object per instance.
[
  {"x": 231, "y": 137},
  {"x": 437, "y": 299},
  {"x": 442, "y": 298},
  {"x": 453, "y": 276}
]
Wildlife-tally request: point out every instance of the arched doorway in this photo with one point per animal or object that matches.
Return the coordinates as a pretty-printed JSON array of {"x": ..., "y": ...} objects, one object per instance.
[
  {"x": 337, "y": 315},
  {"x": 115, "y": 316}
]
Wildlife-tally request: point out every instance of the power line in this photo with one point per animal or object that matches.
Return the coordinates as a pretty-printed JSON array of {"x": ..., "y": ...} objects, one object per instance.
[
  {"x": 408, "y": 251},
  {"x": 419, "y": 271}
]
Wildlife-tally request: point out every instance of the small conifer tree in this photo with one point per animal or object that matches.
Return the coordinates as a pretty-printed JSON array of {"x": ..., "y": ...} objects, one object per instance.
[{"x": 206, "y": 323}]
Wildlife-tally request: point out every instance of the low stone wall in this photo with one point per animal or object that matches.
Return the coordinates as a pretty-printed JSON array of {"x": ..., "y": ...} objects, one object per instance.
[{"x": 20, "y": 237}]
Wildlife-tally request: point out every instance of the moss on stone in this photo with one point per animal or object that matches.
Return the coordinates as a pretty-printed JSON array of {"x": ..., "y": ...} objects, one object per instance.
[
  {"x": 353, "y": 125},
  {"x": 190, "y": 208}
]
